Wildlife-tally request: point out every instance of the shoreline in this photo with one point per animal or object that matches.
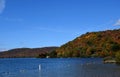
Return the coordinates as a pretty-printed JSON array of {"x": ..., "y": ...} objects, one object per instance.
[{"x": 109, "y": 61}]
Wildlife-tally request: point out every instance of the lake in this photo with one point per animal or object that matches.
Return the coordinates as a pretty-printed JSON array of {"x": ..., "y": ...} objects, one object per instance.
[{"x": 57, "y": 67}]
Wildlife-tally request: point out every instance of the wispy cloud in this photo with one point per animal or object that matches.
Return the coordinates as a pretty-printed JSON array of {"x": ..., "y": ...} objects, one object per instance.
[
  {"x": 13, "y": 19},
  {"x": 2, "y": 49},
  {"x": 52, "y": 30},
  {"x": 2, "y": 6},
  {"x": 57, "y": 30},
  {"x": 117, "y": 23}
]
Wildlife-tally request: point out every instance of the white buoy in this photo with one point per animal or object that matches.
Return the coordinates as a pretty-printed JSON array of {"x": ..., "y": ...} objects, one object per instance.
[{"x": 39, "y": 66}]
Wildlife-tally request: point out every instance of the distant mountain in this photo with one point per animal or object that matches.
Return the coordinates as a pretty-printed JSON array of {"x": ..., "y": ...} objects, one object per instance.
[
  {"x": 26, "y": 52},
  {"x": 92, "y": 44}
]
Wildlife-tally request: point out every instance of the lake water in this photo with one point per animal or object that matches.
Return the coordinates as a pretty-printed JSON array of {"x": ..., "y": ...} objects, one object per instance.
[{"x": 59, "y": 67}]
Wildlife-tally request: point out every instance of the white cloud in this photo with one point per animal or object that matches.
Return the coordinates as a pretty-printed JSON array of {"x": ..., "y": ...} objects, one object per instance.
[
  {"x": 117, "y": 23},
  {"x": 2, "y": 6}
]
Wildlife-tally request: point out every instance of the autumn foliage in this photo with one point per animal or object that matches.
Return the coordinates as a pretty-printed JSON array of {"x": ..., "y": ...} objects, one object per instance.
[{"x": 93, "y": 44}]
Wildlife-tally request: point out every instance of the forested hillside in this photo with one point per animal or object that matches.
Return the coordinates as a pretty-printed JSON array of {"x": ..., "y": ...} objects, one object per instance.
[
  {"x": 27, "y": 52},
  {"x": 92, "y": 44}
]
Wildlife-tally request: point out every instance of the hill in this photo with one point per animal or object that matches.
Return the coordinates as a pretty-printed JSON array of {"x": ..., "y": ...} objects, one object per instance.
[
  {"x": 26, "y": 52},
  {"x": 92, "y": 44}
]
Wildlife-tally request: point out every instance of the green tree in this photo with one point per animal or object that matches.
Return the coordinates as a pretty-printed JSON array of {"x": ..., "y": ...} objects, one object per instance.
[
  {"x": 115, "y": 47},
  {"x": 117, "y": 57},
  {"x": 43, "y": 55},
  {"x": 53, "y": 54}
]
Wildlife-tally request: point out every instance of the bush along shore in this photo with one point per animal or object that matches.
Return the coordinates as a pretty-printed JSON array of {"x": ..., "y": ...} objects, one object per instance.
[{"x": 115, "y": 59}]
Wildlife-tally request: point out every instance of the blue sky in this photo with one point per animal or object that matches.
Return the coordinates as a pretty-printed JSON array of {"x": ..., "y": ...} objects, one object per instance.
[{"x": 40, "y": 23}]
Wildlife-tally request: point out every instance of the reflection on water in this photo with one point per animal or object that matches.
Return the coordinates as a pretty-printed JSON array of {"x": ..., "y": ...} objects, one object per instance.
[{"x": 69, "y": 67}]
